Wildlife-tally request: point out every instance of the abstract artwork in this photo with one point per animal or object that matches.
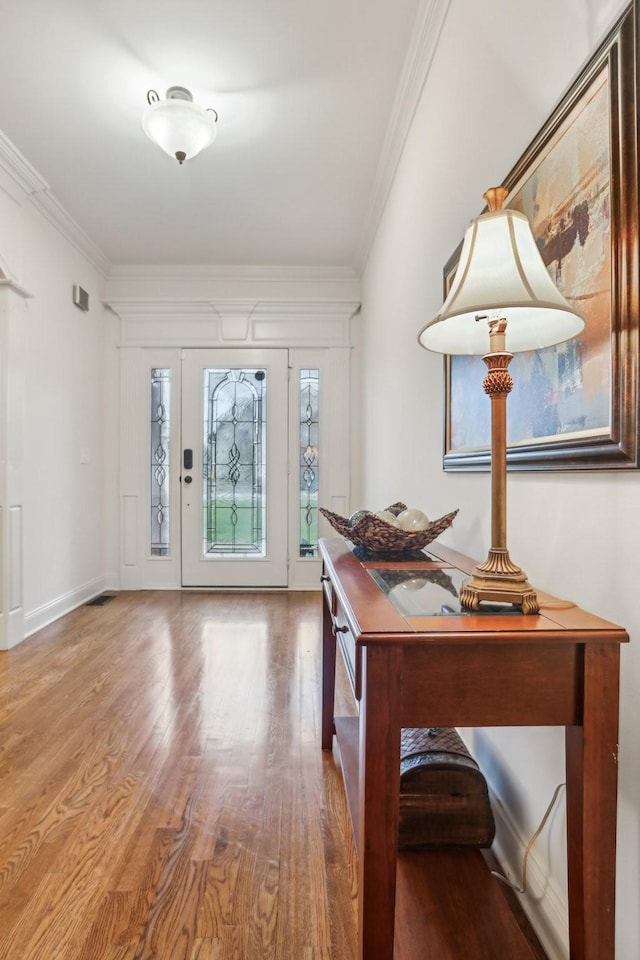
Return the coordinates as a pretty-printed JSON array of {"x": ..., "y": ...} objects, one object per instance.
[{"x": 573, "y": 406}]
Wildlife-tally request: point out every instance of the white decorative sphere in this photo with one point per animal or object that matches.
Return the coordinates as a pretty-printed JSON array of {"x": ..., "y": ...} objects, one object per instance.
[
  {"x": 416, "y": 583},
  {"x": 412, "y": 519},
  {"x": 388, "y": 517}
]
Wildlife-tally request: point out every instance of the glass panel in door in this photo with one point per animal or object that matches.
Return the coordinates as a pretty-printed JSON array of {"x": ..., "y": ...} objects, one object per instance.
[{"x": 234, "y": 476}]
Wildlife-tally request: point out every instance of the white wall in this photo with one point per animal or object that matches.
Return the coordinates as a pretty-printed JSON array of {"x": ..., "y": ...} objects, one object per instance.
[
  {"x": 498, "y": 71},
  {"x": 65, "y": 374},
  {"x": 60, "y": 365}
]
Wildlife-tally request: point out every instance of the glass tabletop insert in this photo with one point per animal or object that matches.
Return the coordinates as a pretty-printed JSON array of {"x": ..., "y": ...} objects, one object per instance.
[{"x": 433, "y": 592}]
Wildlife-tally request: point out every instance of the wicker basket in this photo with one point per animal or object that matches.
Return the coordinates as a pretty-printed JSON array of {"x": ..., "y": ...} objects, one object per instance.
[{"x": 378, "y": 537}]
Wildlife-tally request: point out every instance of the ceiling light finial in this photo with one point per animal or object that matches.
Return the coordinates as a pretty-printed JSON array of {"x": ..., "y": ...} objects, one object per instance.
[{"x": 178, "y": 125}]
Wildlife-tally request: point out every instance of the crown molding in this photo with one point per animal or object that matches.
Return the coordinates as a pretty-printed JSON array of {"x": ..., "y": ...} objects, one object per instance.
[
  {"x": 248, "y": 273},
  {"x": 19, "y": 168},
  {"x": 426, "y": 35},
  {"x": 157, "y": 283},
  {"x": 38, "y": 191}
]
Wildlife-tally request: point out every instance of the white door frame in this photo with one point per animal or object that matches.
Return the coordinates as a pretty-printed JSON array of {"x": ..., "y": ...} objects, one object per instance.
[{"x": 317, "y": 337}]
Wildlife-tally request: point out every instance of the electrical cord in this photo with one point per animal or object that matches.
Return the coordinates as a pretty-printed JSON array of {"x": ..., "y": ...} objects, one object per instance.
[{"x": 523, "y": 886}]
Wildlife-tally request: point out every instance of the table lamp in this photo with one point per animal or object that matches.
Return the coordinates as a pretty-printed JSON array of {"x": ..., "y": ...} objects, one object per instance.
[{"x": 503, "y": 300}]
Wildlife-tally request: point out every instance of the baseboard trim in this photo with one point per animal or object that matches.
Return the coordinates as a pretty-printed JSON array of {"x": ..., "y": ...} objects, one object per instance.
[
  {"x": 544, "y": 903},
  {"x": 42, "y": 616}
]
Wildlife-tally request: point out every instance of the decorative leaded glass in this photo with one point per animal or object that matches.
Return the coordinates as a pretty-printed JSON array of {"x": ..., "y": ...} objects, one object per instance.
[
  {"x": 309, "y": 461},
  {"x": 160, "y": 449},
  {"x": 234, "y": 501}
]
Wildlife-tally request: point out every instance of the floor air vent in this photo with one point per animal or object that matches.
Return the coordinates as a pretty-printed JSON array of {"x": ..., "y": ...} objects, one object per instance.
[{"x": 100, "y": 600}]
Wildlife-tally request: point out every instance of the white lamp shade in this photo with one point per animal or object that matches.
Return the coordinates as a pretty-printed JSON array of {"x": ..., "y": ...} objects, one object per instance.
[
  {"x": 501, "y": 274},
  {"x": 179, "y": 126}
]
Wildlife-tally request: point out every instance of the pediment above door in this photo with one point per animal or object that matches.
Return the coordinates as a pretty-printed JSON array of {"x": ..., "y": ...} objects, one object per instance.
[{"x": 232, "y": 322}]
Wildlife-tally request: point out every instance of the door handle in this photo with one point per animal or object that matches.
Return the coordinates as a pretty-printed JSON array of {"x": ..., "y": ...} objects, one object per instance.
[{"x": 187, "y": 459}]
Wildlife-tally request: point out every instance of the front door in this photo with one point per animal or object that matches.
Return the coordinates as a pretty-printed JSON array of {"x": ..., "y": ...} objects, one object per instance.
[{"x": 234, "y": 468}]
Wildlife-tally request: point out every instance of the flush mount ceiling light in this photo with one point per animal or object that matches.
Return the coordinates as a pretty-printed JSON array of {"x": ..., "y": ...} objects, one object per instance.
[{"x": 178, "y": 125}]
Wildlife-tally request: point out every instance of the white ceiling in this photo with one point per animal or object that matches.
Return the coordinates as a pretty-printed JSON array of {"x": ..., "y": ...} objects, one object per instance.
[{"x": 313, "y": 98}]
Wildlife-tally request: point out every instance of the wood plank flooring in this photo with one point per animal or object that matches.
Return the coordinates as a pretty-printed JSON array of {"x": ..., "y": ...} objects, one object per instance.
[
  {"x": 162, "y": 789},
  {"x": 163, "y": 794}
]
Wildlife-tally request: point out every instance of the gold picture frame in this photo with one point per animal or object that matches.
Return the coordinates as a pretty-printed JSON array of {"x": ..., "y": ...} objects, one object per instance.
[{"x": 574, "y": 406}]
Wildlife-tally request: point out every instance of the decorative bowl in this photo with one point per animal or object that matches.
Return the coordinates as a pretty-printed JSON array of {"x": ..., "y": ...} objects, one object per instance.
[{"x": 380, "y": 538}]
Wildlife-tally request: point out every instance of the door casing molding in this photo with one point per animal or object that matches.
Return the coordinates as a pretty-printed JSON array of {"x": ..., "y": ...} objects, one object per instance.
[{"x": 317, "y": 334}]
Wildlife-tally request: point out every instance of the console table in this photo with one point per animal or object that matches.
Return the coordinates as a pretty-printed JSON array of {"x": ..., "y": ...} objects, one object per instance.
[{"x": 415, "y": 660}]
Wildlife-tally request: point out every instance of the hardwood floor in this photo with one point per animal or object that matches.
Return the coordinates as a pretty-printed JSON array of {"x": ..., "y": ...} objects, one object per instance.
[
  {"x": 163, "y": 794},
  {"x": 162, "y": 789}
]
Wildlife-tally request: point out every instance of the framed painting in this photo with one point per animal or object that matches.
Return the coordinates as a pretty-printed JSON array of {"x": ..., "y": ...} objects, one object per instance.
[{"x": 573, "y": 406}]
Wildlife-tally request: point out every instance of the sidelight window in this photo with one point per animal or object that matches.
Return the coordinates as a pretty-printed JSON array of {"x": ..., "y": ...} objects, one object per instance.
[
  {"x": 160, "y": 458},
  {"x": 309, "y": 461}
]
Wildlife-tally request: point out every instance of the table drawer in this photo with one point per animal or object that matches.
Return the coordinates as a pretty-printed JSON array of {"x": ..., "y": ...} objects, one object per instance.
[{"x": 342, "y": 632}]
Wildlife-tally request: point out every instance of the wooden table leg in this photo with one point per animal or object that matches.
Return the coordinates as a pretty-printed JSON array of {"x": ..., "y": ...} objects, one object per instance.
[
  {"x": 379, "y": 800},
  {"x": 592, "y": 770},
  {"x": 328, "y": 676}
]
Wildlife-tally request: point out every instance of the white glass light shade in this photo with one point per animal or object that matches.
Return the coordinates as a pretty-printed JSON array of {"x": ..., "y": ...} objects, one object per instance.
[
  {"x": 179, "y": 127},
  {"x": 501, "y": 274}
]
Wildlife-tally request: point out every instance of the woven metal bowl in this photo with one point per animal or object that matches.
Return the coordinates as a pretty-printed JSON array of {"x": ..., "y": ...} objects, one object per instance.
[{"x": 380, "y": 538}]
